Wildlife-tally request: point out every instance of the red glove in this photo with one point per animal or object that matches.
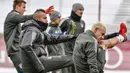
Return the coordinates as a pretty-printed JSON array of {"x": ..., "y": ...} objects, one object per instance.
[
  {"x": 49, "y": 10},
  {"x": 123, "y": 30}
]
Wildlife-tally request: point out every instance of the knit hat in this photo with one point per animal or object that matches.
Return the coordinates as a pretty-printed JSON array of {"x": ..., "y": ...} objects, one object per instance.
[
  {"x": 55, "y": 15},
  {"x": 77, "y": 6}
]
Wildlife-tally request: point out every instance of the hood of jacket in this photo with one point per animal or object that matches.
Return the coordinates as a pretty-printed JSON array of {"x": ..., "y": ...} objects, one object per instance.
[{"x": 41, "y": 26}]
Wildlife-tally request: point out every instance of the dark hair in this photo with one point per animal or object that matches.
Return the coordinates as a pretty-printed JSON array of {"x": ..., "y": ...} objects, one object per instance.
[
  {"x": 40, "y": 10},
  {"x": 18, "y": 2},
  {"x": 37, "y": 13}
]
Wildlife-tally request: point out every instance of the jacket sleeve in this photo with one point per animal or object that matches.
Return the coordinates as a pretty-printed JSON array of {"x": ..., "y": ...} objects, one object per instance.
[
  {"x": 19, "y": 18},
  {"x": 64, "y": 26},
  {"x": 51, "y": 39},
  {"x": 26, "y": 44},
  {"x": 91, "y": 54}
]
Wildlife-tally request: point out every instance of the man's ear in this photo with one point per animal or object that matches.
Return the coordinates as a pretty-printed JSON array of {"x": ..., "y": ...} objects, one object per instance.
[
  {"x": 95, "y": 30},
  {"x": 16, "y": 7}
]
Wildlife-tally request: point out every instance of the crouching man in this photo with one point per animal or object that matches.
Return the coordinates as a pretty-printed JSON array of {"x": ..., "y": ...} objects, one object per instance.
[{"x": 89, "y": 49}]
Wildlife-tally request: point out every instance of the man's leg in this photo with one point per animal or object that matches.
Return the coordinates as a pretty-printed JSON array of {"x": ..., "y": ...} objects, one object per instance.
[
  {"x": 56, "y": 62},
  {"x": 111, "y": 35},
  {"x": 15, "y": 57},
  {"x": 64, "y": 70},
  {"x": 109, "y": 43}
]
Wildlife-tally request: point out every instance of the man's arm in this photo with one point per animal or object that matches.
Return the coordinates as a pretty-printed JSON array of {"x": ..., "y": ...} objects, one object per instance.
[
  {"x": 91, "y": 54},
  {"x": 51, "y": 39},
  {"x": 26, "y": 44},
  {"x": 18, "y": 18},
  {"x": 64, "y": 25}
]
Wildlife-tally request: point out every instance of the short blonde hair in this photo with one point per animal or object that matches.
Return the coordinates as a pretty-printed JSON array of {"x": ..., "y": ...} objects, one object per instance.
[{"x": 99, "y": 25}]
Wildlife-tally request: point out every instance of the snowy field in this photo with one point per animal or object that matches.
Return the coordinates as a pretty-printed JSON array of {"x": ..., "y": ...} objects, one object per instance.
[{"x": 12, "y": 70}]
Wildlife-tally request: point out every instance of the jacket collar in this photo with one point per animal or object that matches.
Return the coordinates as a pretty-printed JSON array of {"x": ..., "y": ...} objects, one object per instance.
[
  {"x": 91, "y": 33},
  {"x": 53, "y": 25},
  {"x": 15, "y": 11},
  {"x": 40, "y": 25},
  {"x": 34, "y": 24},
  {"x": 75, "y": 17}
]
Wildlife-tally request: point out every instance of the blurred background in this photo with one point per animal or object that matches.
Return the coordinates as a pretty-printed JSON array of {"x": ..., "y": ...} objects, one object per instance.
[{"x": 110, "y": 12}]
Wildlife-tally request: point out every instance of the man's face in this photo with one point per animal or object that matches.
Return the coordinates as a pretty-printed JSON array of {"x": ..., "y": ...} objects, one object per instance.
[
  {"x": 43, "y": 18},
  {"x": 100, "y": 34},
  {"x": 57, "y": 21},
  {"x": 79, "y": 12},
  {"x": 21, "y": 8}
]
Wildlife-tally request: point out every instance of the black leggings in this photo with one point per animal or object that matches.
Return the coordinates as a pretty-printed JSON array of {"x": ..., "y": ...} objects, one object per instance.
[{"x": 111, "y": 35}]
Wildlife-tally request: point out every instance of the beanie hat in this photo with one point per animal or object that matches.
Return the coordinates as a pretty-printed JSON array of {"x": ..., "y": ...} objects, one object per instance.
[
  {"x": 77, "y": 6},
  {"x": 55, "y": 15}
]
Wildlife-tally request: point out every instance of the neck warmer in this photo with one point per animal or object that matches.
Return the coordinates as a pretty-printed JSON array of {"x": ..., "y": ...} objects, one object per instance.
[
  {"x": 42, "y": 25},
  {"x": 75, "y": 17}
]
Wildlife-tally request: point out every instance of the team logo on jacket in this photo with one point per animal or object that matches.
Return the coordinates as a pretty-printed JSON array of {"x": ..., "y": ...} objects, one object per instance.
[
  {"x": 82, "y": 25},
  {"x": 57, "y": 32}
]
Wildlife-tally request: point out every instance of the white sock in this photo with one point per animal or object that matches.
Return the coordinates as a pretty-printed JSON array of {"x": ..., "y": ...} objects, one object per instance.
[{"x": 120, "y": 38}]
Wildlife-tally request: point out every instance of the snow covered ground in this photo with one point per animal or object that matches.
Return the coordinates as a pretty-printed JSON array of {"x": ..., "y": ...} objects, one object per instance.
[{"x": 12, "y": 70}]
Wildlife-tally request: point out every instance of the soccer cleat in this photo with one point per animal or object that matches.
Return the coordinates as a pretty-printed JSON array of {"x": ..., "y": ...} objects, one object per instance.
[{"x": 123, "y": 30}]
